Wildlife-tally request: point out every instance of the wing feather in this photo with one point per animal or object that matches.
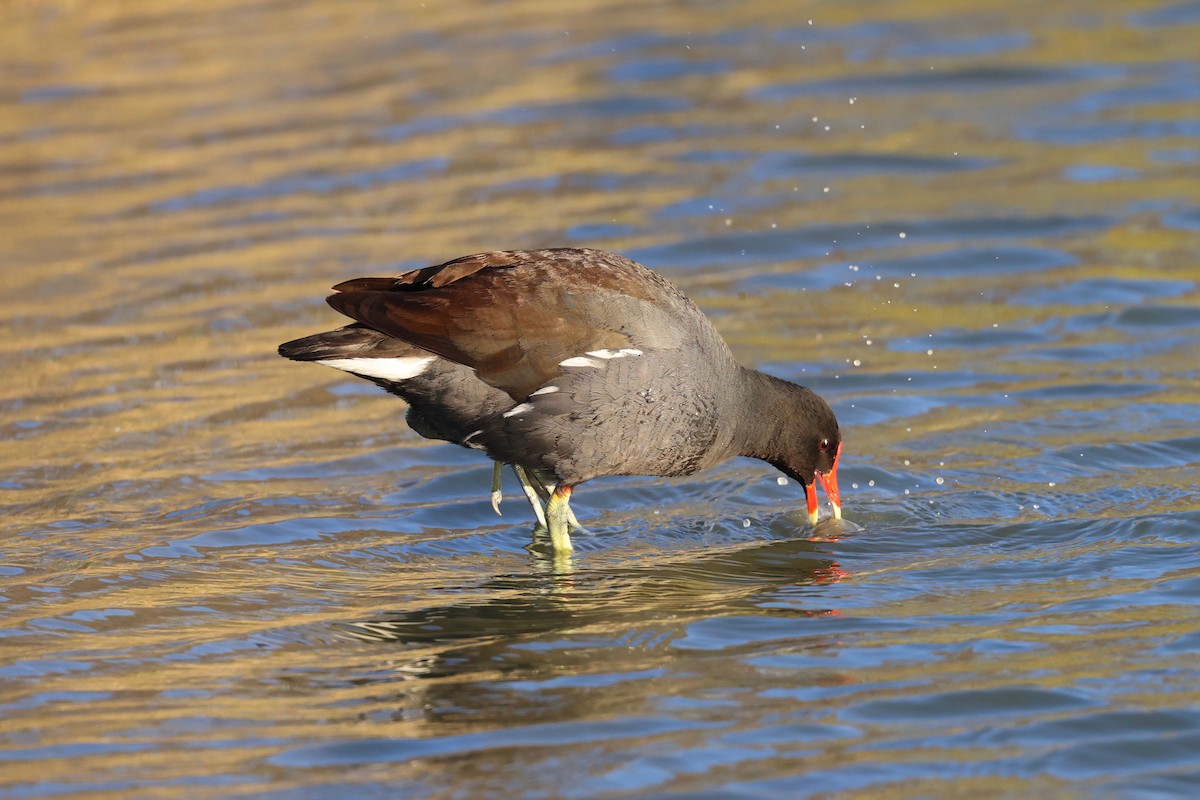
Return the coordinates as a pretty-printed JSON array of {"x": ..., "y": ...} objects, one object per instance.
[{"x": 512, "y": 316}]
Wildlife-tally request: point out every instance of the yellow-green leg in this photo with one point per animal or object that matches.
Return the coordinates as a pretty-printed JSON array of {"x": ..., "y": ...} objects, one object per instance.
[
  {"x": 531, "y": 494},
  {"x": 544, "y": 490},
  {"x": 558, "y": 519},
  {"x": 535, "y": 492}
]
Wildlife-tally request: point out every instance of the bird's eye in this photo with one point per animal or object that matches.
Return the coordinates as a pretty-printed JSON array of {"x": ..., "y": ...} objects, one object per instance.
[{"x": 824, "y": 445}]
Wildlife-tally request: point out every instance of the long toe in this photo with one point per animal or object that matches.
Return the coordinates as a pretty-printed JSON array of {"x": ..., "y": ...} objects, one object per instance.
[{"x": 497, "y": 495}]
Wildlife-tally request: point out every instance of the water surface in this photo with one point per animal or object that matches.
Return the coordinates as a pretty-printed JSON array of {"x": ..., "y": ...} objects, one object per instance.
[{"x": 973, "y": 229}]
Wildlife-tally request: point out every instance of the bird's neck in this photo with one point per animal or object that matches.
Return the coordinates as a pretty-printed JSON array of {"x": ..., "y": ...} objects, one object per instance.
[{"x": 770, "y": 417}]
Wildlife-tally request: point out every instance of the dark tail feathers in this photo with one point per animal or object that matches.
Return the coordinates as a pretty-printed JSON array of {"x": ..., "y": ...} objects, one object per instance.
[{"x": 352, "y": 341}]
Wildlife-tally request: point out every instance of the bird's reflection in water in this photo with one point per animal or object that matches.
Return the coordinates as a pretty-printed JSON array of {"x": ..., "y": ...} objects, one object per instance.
[
  {"x": 556, "y": 597},
  {"x": 550, "y": 625}
]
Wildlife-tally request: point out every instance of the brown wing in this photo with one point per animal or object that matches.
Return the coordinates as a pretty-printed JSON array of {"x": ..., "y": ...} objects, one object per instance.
[
  {"x": 440, "y": 275},
  {"x": 512, "y": 316}
]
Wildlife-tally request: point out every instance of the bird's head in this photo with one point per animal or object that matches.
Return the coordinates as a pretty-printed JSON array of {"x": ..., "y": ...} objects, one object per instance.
[{"x": 812, "y": 453}]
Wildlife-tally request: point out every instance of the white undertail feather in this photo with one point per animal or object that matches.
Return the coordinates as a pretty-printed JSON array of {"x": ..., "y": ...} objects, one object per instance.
[
  {"x": 579, "y": 361},
  {"x": 388, "y": 369}
]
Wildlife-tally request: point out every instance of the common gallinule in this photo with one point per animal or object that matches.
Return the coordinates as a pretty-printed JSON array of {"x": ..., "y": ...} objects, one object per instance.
[{"x": 570, "y": 365}]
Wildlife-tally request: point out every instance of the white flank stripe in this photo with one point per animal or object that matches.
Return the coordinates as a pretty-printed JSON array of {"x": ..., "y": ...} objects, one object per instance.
[
  {"x": 579, "y": 361},
  {"x": 544, "y": 390},
  {"x": 388, "y": 369},
  {"x": 624, "y": 351},
  {"x": 521, "y": 409}
]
